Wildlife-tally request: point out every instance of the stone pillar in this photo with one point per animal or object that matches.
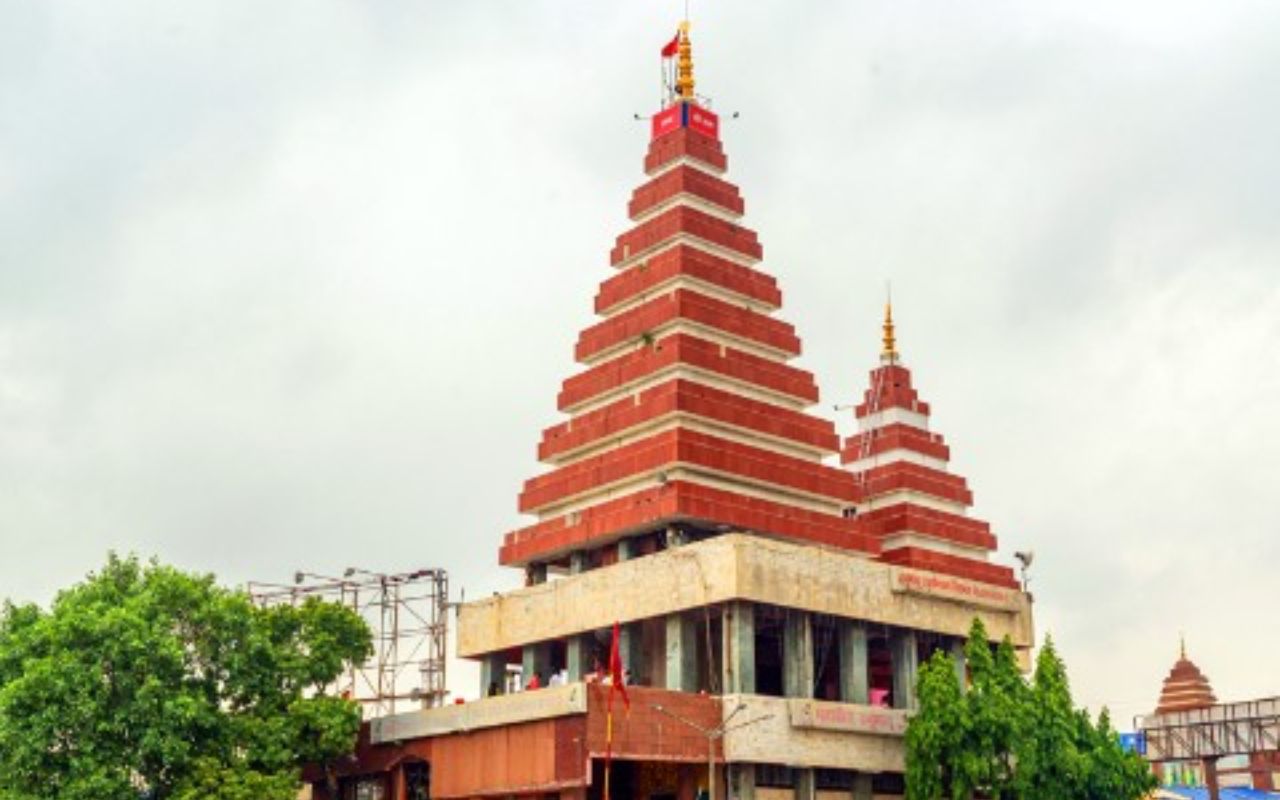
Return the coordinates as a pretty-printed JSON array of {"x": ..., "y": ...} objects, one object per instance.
[
  {"x": 958, "y": 659},
  {"x": 797, "y": 654},
  {"x": 682, "y": 654},
  {"x": 854, "y": 663},
  {"x": 742, "y": 781},
  {"x": 631, "y": 649},
  {"x": 905, "y": 654},
  {"x": 535, "y": 658},
  {"x": 578, "y": 655},
  {"x": 806, "y": 783},
  {"x": 1211, "y": 777},
  {"x": 493, "y": 670},
  {"x": 630, "y": 637},
  {"x": 738, "y": 649},
  {"x": 862, "y": 786},
  {"x": 577, "y": 648}
]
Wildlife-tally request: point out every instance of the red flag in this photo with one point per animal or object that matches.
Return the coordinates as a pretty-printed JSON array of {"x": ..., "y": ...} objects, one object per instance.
[
  {"x": 618, "y": 683},
  {"x": 672, "y": 47}
]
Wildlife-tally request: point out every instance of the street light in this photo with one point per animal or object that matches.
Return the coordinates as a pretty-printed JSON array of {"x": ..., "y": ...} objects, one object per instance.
[{"x": 712, "y": 734}]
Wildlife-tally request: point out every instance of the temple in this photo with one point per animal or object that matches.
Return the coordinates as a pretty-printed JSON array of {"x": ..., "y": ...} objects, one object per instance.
[
  {"x": 773, "y": 588},
  {"x": 1186, "y": 688},
  {"x": 1194, "y": 741},
  {"x": 916, "y": 511}
]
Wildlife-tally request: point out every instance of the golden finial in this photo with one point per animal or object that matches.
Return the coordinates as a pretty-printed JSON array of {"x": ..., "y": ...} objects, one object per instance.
[
  {"x": 1182, "y": 637},
  {"x": 684, "y": 79},
  {"x": 889, "y": 354}
]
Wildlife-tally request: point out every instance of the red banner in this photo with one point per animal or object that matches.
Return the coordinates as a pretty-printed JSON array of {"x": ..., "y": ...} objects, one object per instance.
[
  {"x": 704, "y": 121},
  {"x": 666, "y": 121}
]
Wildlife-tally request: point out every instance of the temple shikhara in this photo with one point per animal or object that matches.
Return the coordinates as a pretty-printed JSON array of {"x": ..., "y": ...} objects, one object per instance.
[
  {"x": 1186, "y": 688},
  {"x": 764, "y": 590},
  {"x": 1193, "y": 740}
]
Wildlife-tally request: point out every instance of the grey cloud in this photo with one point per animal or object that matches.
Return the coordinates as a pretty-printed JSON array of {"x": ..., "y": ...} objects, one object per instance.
[{"x": 296, "y": 285}]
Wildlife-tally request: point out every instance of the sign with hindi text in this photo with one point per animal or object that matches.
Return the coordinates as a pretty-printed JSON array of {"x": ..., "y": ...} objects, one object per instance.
[
  {"x": 848, "y": 717},
  {"x": 949, "y": 587}
]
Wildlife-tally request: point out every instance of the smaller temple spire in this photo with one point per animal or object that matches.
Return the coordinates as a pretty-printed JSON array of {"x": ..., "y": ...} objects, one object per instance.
[
  {"x": 684, "y": 67},
  {"x": 1186, "y": 688},
  {"x": 889, "y": 352}
]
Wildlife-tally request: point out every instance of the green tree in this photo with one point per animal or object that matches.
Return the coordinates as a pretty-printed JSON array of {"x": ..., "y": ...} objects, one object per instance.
[
  {"x": 144, "y": 681},
  {"x": 1109, "y": 770},
  {"x": 995, "y": 707},
  {"x": 1052, "y": 765},
  {"x": 936, "y": 734},
  {"x": 1003, "y": 738}
]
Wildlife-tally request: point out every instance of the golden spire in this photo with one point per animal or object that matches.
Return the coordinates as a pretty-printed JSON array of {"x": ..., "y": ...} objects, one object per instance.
[
  {"x": 889, "y": 354},
  {"x": 684, "y": 79},
  {"x": 1183, "y": 645}
]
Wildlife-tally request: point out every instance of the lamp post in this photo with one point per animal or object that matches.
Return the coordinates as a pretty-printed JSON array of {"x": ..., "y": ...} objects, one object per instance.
[{"x": 712, "y": 735}]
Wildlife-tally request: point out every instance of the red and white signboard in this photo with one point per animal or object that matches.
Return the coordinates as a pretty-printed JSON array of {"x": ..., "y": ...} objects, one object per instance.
[
  {"x": 703, "y": 121},
  {"x": 666, "y": 121},
  {"x": 685, "y": 115}
]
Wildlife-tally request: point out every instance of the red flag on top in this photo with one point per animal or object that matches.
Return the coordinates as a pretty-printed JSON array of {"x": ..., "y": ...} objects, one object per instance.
[
  {"x": 672, "y": 47},
  {"x": 617, "y": 682}
]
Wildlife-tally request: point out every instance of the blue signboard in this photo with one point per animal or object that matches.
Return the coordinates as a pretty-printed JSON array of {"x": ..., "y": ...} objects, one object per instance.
[{"x": 1134, "y": 743}]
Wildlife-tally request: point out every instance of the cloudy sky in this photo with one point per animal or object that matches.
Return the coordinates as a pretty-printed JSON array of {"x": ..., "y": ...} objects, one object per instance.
[{"x": 294, "y": 284}]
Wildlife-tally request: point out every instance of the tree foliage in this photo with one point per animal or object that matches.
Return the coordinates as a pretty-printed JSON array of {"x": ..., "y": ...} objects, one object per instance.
[
  {"x": 1005, "y": 739},
  {"x": 147, "y": 682}
]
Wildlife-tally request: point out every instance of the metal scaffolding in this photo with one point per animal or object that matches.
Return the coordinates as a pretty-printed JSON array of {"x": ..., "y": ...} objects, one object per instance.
[
  {"x": 408, "y": 616},
  {"x": 1222, "y": 730}
]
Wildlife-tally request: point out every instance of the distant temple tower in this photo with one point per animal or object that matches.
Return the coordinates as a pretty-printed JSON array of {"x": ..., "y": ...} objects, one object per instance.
[
  {"x": 1192, "y": 739},
  {"x": 1186, "y": 688}
]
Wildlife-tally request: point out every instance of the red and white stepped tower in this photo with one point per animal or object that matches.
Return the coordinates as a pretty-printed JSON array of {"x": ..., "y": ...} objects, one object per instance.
[
  {"x": 715, "y": 555},
  {"x": 686, "y": 411},
  {"x": 914, "y": 507},
  {"x": 1186, "y": 688}
]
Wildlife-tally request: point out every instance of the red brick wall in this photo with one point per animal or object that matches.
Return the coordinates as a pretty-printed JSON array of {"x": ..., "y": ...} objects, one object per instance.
[
  {"x": 684, "y": 219},
  {"x": 952, "y": 565},
  {"x": 693, "y": 398},
  {"x": 685, "y": 260},
  {"x": 645, "y": 732},
  {"x": 894, "y": 436},
  {"x": 684, "y": 142},
  {"x": 688, "y": 447},
  {"x": 695, "y": 352},
  {"x": 689, "y": 181},
  {"x": 695, "y": 307},
  {"x": 682, "y": 500}
]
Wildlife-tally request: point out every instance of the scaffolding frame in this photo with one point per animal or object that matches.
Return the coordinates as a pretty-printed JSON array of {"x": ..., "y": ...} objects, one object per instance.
[
  {"x": 1222, "y": 730},
  {"x": 407, "y": 614}
]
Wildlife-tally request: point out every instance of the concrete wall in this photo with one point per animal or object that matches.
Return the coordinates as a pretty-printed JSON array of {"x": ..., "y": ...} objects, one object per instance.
[
  {"x": 488, "y": 712},
  {"x": 740, "y": 566},
  {"x": 777, "y": 739}
]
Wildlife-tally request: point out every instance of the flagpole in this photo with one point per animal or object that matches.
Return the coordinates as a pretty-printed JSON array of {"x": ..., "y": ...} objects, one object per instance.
[{"x": 608, "y": 750}]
